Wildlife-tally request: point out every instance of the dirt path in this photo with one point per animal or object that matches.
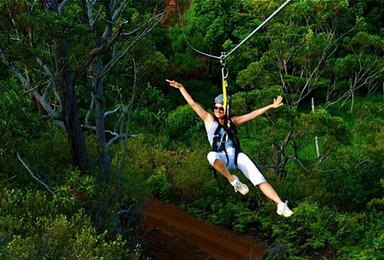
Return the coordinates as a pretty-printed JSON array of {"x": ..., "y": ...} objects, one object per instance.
[{"x": 170, "y": 233}]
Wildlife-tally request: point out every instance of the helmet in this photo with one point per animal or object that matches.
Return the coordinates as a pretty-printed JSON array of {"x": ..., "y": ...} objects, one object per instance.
[{"x": 220, "y": 99}]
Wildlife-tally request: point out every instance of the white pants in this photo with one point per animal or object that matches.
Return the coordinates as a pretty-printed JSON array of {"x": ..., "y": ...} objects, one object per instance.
[{"x": 244, "y": 164}]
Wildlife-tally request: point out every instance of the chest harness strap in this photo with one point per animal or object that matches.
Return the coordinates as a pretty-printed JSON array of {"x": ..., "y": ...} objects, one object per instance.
[{"x": 220, "y": 139}]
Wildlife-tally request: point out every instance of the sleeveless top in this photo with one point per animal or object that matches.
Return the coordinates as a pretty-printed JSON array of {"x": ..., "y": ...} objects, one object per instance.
[{"x": 223, "y": 136}]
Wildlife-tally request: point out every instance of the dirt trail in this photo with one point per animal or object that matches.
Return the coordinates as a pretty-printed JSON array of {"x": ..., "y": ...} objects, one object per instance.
[{"x": 170, "y": 233}]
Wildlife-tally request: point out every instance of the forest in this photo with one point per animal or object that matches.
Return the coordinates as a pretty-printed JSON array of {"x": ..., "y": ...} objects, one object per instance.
[{"x": 90, "y": 129}]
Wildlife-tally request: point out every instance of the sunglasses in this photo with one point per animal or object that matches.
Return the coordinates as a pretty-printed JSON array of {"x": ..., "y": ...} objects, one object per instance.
[{"x": 218, "y": 108}]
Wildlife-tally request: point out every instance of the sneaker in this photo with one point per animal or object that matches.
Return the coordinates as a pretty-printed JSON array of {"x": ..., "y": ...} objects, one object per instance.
[
  {"x": 239, "y": 186},
  {"x": 283, "y": 209}
]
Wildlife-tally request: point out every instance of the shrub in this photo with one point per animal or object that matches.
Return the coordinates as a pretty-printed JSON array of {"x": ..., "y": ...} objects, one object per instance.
[
  {"x": 160, "y": 187},
  {"x": 184, "y": 125},
  {"x": 32, "y": 227}
]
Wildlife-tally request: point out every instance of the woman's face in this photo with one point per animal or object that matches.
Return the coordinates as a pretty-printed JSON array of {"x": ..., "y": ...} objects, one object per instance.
[{"x": 218, "y": 109}]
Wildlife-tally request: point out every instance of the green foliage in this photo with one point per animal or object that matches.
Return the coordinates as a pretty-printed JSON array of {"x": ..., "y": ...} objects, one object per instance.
[
  {"x": 321, "y": 124},
  {"x": 19, "y": 123},
  {"x": 212, "y": 23},
  {"x": 223, "y": 209},
  {"x": 316, "y": 232},
  {"x": 33, "y": 228},
  {"x": 77, "y": 187},
  {"x": 146, "y": 171},
  {"x": 184, "y": 125},
  {"x": 203, "y": 92},
  {"x": 329, "y": 50},
  {"x": 373, "y": 147},
  {"x": 191, "y": 172},
  {"x": 150, "y": 116},
  {"x": 160, "y": 187}
]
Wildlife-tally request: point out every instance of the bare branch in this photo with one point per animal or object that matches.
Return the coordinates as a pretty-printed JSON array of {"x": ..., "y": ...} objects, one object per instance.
[
  {"x": 357, "y": 81},
  {"x": 120, "y": 136},
  {"x": 90, "y": 16},
  {"x": 14, "y": 176},
  {"x": 111, "y": 112},
  {"x": 32, "y": 89},
  {"x": 61, "y": 6},
  {"x": 59, "y": 118},
  {"x": 45, "y": 67},
  {"x": 28, "y": 85},
  {"x": 92, "y": 54},
  {"x": 33, "y": 5},
  {"x": 112, "y": 62},
  {"x": 119, "y": 10},
  {"x": 299, "y": 162},
  {"x": 97, "y": 51},
  {"x": 128, "y": 109},
  {"x": 101, "y": 16},
  {"x": 141, "y": 26},
  {"x": 17, "y": 29},
  {"x": 89, "y": 112},
  {"x": 33, "y": 176}
]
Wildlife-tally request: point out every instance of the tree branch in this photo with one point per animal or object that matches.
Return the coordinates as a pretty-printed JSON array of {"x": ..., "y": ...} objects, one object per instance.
[
  {"x": 61, "y": 6},
  {"x": 113, "y": 61},
  {"x": 120, "y": 136},
  {"x": 119, "y": 10},
  {"x": 33, "y": 5},
  {"x": 111, "y": 112},
  {"x": 27, "y": 84},
  {"x": 33, "y": 176},
  {"x": 97, "y": 51}
]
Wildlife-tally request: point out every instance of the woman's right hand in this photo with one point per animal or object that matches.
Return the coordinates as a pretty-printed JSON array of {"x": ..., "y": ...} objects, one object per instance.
[{"x": 174, "y": 83}]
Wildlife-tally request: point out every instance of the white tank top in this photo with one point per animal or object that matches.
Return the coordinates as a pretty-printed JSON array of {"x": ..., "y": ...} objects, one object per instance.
[{"x": 222, "y": 133}]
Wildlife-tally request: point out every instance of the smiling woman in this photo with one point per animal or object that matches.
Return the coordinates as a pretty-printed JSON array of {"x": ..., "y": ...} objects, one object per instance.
[
  {"x": 226, "y": 153},
  {"x": 218, "y": 108}
]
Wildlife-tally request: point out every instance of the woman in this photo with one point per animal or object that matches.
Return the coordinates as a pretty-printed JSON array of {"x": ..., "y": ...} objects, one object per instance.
[{"x": 226, "y": 152}]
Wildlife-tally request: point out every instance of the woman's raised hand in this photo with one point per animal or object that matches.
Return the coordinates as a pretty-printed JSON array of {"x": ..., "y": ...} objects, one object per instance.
[
  {"x": 277, "y": 102},
  {"x": 174, "y": 83}
]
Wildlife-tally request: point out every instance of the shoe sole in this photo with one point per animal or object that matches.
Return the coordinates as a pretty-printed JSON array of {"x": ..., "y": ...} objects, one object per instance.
[
  {"x": 236, "y": 190},
  {"x": 244, "y": 193},
  {"x": 283, "y": 214}
]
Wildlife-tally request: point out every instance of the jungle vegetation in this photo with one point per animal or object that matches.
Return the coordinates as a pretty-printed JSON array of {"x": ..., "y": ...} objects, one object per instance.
[{"x": 90, "y": 129}]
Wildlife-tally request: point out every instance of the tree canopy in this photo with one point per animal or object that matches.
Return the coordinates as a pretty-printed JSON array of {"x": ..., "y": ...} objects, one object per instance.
[{"x": 90, "y": 129}]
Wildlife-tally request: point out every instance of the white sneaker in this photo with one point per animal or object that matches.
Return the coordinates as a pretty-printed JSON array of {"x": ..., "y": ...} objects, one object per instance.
[
  {"x": 239, "y": 186},
  {"x": 283, "y": 209}
]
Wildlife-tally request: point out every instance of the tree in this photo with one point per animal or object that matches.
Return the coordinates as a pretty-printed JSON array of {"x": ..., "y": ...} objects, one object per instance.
[
  {"x": 303, "y": 51},
  {"x": 361, "y": 69},
  {"x": 57, "y": 45}
]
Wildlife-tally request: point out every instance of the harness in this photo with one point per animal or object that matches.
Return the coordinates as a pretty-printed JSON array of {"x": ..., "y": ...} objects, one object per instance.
[{"x": 220, "y": 139}]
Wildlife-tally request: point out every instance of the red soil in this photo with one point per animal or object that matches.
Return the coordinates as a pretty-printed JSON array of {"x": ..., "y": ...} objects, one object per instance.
[{"x": 170, "y": 233}]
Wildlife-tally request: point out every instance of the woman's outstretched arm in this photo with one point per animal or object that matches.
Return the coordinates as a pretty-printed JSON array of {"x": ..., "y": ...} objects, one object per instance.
[
  {"x": 203, "y": 114},
  {"x": 238, "y": 120}
]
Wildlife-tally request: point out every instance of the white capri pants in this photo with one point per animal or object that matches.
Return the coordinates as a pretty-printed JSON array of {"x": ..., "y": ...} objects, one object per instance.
[{"x": 244, "y": 164}]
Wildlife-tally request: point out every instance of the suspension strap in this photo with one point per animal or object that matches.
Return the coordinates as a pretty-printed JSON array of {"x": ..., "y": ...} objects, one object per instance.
[{"x": 224, "y": 76}]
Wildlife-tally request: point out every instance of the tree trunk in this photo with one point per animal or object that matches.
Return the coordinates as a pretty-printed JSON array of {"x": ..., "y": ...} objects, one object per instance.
[
  {"x": 65, "y": 84},
  {"x": 105, "y": 157},
  {"x": 100, "y": 130}
]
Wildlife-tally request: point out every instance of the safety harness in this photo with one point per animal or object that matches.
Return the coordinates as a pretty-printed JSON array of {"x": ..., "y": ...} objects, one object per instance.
[{"x": 220, "y": 138}]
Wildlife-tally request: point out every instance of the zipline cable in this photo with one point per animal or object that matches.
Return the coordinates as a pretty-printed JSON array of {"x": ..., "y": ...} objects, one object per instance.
[
  {"x": 259, "y": 27},
  {"x": 185, "y": 37},
  {"x": 224, "y": 56}
]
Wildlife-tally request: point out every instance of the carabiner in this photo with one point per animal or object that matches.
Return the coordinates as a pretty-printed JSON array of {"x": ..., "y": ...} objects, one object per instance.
[
  {"x": 223, "y": 59},
  {"x": 224, "y": 73},
  {"x": 224, "y": 70}
]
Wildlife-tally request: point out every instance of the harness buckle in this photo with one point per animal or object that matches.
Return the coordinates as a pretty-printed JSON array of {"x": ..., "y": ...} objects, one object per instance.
[{"x": 224, "y": 137}]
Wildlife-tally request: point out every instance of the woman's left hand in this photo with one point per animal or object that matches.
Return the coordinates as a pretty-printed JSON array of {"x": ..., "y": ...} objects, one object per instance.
[{"x": 277, "y": 102}]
